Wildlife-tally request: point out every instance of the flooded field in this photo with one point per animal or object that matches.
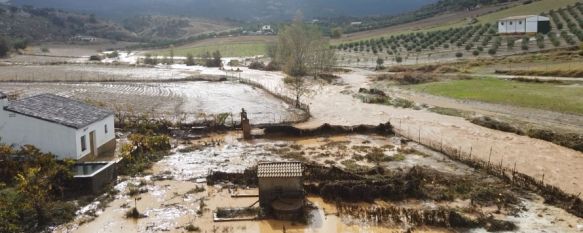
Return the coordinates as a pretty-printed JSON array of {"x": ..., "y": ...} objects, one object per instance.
[
  {"x": 171, "y": 100},
  {"x": 87, "y": 73},
  {"x": 174, "y": 195}
]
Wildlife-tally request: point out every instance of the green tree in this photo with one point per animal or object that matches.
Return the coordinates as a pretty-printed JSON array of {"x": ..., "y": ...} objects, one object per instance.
[{"x": 380, "y": 63}]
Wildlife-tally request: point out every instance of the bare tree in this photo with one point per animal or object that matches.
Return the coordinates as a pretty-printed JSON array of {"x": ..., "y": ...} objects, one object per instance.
[{"x": 302, "y": 52}]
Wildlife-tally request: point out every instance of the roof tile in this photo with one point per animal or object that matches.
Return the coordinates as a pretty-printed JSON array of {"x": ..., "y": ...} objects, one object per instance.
[
  {"x": 60, "y": 110},
  {"x": 279, "y": 170}
]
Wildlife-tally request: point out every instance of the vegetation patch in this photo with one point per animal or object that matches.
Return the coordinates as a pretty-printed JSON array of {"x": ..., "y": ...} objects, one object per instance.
[
  {"x": 574, "y": 73},
  {"x": 492, "y": 123},
  {"x": 560, "y": 98}
]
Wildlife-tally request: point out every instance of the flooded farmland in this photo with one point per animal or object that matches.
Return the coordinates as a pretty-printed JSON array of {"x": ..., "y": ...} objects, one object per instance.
[
  {"x": 171, "y": 100},
  {"x": 174, "y": 194}
]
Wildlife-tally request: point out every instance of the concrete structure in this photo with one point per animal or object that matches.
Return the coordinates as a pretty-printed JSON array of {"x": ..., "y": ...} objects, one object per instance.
[
  {"x": 524, "y": 24},
  {"x": 93, "y": 177},
  {"x": 67, "y": 128},
  {"x": 281, "y": 188}
]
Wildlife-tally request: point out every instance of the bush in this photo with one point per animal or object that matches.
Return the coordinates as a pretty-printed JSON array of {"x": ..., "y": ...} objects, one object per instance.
[
  {"x": 257, "y": 65},
  {"x": 492, "y": 51},
  {"x": 459, "y": 54},
  {"x": 4, "y": 47},
  {"x": 399, "y": 59},
  {"x": 95, "y": 58},
  {"x": 476, "y": 53},
  {"x": 273, "y": 66}
]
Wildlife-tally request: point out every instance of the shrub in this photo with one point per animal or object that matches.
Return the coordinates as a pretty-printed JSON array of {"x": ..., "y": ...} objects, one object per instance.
[
  {"x": 257, "y": 65},
  {"x": 459, "y": 54},
  {"x": 95, "y": 58},
  {"x": 273, "y": 66},
  {"x": 492, "y": 51},
  {"x": 476, "y": 53}
]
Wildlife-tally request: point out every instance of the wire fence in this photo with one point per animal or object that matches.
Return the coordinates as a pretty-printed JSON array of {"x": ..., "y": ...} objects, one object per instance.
[{"x": 552, "y": 194}]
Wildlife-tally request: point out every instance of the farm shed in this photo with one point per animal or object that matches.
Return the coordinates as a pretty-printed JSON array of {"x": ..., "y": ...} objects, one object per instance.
[
  {"x": 524, "y": 24},
  {"x": 67, "y": 128},
  {"x": 281, "y": 190}
]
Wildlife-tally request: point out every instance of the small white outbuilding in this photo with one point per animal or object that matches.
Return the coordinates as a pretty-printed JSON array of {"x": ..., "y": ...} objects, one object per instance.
[
  {"x": 67, "y": 128},
  {"x": 524, "y": 24}
]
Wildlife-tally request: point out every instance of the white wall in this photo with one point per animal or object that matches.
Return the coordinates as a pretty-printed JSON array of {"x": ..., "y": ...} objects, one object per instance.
[
  {"x": 532, "y": 24},
  {"x": 101, "y": 136},
  {"x": 46, "y": 136},
  {"x": 60, "y": 140},
  {"x": 520, "y": 25}
]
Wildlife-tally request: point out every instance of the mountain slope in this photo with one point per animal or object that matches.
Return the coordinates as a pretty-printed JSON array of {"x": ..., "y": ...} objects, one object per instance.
[
  {"x": 235, "y": 9},
  {"x": 49, "y": 25}
]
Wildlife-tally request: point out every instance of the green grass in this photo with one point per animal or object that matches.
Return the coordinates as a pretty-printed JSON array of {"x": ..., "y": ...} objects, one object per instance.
[
  {"x": 227, "y": 50},
  {"x": 559, "y": 98}
]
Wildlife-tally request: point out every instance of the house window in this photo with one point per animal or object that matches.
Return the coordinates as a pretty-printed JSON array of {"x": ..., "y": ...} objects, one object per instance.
[
  {"x": 502, "y": 23},
  {"x": 106, "y": 129},
  {"x": 83, "y": 143},
  {"x": 510, "y": 23},
  {"x": 519, "y": 22}
]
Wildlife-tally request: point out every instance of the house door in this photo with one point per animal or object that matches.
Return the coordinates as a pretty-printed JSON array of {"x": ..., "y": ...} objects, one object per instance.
[{"x": 93, "y": 143}]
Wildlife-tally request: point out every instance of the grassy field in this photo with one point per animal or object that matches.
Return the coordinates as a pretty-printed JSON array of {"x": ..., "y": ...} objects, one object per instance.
[{"x": 560, "y": 98}]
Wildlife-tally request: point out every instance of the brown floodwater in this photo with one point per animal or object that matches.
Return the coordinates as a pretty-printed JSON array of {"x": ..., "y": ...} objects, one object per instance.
[{"x": 170, "y": 204}]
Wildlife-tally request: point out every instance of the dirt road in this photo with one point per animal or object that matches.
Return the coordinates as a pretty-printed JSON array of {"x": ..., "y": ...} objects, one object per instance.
[{"x": 561, "y": 166}]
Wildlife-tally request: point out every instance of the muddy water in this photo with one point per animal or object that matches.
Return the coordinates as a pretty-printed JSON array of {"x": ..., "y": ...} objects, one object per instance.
[
  {"x": 172, "y": 99},
  {"x": 170, "y": 204},
  {"x": 561, "y": 166}
]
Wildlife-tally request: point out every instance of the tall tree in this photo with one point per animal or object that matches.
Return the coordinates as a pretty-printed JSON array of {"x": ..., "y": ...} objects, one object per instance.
[{"x": 302, "y": 51}]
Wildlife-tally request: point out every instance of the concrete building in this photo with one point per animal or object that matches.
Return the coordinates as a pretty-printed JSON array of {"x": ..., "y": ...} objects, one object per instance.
[
  {"x": 524, "y": 24},
  {"x": 281, "y": 188},
  {"x": 67, "y": 128}
]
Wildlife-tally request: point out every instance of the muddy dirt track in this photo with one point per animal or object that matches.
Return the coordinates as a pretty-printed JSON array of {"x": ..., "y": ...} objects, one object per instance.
[{"x": 561, "y": 166}]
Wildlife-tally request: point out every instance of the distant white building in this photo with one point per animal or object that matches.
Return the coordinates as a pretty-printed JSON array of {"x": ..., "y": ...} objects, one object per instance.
[
  {"x": 83, "y": 38},
  {"x": 267, "y": 30},
  {"x": 524, "y": 24},
  {"x": 355, "y": 23},
  {"x": 67, "y": 128}
]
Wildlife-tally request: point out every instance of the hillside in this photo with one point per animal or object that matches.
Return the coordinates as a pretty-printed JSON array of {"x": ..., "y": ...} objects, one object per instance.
[
  {"x": 260, "y": 10},
  {"x": 50, "y": 24},
  {"x": 449, "y": 19},
  {"x": 173, "y": 27}
]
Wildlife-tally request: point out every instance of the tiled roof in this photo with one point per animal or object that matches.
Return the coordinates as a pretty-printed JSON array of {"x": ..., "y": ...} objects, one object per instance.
[
  {"x": 60, "y": 110},
  {"x": 279, "y": 170}
]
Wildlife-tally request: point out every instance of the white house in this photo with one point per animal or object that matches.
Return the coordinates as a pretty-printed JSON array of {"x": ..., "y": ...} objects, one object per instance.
[
  {"x": 67, "y": 128},
  {"x": 524, "y": 24},
  {"x": 267, "y": 30}
]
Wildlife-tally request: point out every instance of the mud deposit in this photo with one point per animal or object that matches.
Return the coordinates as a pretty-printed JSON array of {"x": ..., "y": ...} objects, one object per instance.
[
  {"x": 174, "y": 194},
  {"x": 172, "y": 100}
]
